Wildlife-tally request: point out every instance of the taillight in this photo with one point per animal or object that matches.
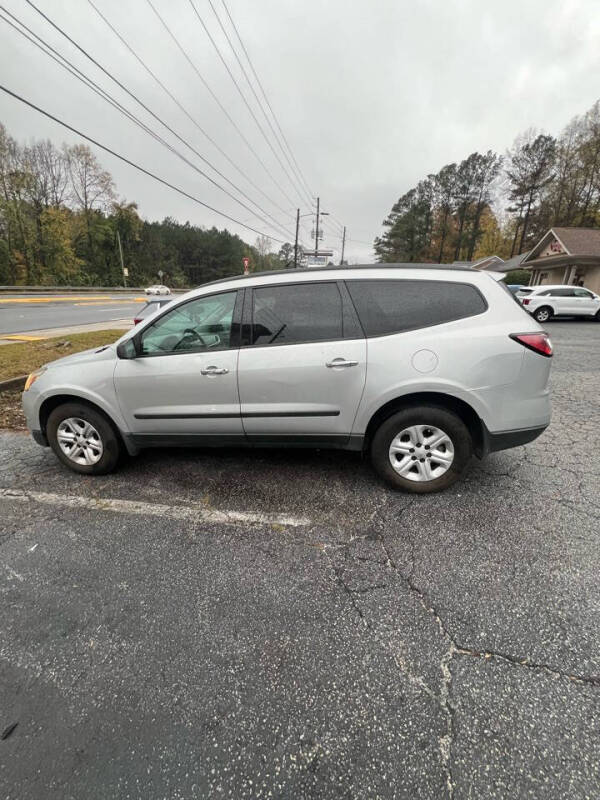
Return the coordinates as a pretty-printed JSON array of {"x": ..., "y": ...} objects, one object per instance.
[
  {"x": 526, "y": 301},
  {"x": 538, "y": 342},
  {"x": 136, "y": 320}
]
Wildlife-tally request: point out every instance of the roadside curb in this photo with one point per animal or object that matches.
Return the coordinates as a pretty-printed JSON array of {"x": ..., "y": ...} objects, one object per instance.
[{"x": 13, "y": 383}]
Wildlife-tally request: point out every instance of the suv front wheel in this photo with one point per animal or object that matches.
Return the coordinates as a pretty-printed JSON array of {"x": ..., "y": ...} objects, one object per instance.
[
  {"x": 421, "y": 449},
  {"x": 83, "y": 439}
]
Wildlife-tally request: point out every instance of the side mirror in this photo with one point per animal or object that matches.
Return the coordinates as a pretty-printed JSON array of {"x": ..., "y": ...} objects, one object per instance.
[{"x": 129, "y": 348}]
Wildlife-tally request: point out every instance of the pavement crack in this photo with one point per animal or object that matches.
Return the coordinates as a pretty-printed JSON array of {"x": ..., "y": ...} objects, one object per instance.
[
  {"x": 590, "y": 680},
  {"x": 446, "y": 741},
  {"x": 421, "y": 596},
  {"x": 338, "y": 574}
]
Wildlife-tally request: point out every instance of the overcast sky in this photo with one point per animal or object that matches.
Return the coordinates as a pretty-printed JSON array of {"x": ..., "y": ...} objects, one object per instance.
[{"x": 372, "y": 95}]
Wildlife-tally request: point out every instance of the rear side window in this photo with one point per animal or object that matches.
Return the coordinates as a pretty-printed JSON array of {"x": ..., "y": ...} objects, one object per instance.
[
  {"x": 293, "y": 313},
  {"x": 561, "y": 293},
  {"x": 392, "y": 306}
]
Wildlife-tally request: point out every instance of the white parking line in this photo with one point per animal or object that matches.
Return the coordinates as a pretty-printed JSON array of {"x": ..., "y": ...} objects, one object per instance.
[{"x": 190, "y": 511}]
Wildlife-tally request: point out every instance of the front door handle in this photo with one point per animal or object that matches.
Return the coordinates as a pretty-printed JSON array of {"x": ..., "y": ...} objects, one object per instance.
[
  {"x": 341, "y": 362},
  {"x": 214, "y": 371}
]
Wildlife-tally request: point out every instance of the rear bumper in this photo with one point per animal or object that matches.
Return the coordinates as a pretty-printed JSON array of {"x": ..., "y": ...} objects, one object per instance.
[{"x": 504, "y": 440}]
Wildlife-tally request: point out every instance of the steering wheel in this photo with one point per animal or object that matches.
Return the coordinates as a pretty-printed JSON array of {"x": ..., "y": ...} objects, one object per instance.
[{"x": 195, "y": 336}]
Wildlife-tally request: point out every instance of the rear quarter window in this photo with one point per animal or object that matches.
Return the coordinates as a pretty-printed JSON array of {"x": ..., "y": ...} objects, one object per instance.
[{"x": 393, "y": 306}]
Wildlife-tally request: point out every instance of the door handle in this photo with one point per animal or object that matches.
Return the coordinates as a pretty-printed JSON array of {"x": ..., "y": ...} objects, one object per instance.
[
  {"x": 341, "y": 362},
  {"x": 214, "y": 371}
]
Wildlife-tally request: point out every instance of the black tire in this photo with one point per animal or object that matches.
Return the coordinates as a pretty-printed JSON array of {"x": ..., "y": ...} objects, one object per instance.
[
  {"x": 596, "y": 316},
  {"x": 438, "y": 417},
  {"x": 111, "y": 444},
  {"x": 545, "y": 312}
]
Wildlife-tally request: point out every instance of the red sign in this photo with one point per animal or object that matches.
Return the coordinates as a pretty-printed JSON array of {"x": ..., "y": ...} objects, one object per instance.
[{"x": 246, "y": 263}]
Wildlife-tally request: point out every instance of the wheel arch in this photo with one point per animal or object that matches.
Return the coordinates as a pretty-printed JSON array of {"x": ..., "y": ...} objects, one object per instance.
[
  {"x": 461, "y": 408},
  {"x": 54, "y": 401}
]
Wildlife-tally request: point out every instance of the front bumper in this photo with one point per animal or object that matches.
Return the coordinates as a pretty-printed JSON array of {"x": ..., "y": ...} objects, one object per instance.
[{"x": 39, "y": 437}]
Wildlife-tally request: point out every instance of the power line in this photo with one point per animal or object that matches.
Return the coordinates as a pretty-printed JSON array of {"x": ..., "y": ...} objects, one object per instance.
[
  {"x": 183, "y": 109},
  {"x": 73, "y": 70},
  {"x": 283, "y": 136},
  {"x": 136, "y": 166},
  {"x": 246, "y": 103},
  {"x": 336, "y": 221},
  {"x": 155, "y": 116},
  {"x": 224, "y": 177},
  {"x": 216, "y": 99},
  {"x": 256, "y": 97}
]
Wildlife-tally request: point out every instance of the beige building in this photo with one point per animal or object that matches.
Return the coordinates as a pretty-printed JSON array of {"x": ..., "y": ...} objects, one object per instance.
[{"x": 568, "y": 256}]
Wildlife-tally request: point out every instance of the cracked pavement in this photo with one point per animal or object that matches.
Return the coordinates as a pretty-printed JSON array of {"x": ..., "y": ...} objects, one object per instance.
[{"x": 280, "y": 624}]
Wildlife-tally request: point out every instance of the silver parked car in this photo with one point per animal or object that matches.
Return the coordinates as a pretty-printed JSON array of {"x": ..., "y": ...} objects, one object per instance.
[
  {"x": 545, "y": 302},
  {"x": 419, "y": 366}
]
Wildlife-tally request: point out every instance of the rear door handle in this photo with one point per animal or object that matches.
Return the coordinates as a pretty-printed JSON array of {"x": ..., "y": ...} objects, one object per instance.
[
  {"x": 214, "y": 371},
  {"x": 341, "y": 362}
]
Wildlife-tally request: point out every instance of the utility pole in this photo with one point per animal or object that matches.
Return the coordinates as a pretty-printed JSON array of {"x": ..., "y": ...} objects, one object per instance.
[
  {"x": 296, "y": 242},
  {"x": 122, "y": 264},
  {"x": 343, "y": 246},
  {"x": 317, "y": 229}
]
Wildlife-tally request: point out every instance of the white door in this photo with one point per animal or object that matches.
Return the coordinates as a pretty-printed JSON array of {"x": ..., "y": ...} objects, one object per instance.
[
  {"x": 563, "y": 300},
  {"x": 182, "y": 381},
  {"x": 302, "y": 372},
  {"x": 587, "y": 303}
]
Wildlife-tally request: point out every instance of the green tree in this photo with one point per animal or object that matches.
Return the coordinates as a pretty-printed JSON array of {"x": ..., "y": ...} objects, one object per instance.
[
  {"x": 530, "y": 170},
  {"x": 286, "y": 255},
  {"x": 409, "y": 226},
  {"x": 62, "y": 266}
]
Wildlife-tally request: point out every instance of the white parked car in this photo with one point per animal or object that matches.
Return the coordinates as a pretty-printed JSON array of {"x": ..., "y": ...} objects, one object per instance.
[
  {"x": 158, "y": 289},
  {"x": 545, "y": 302}
]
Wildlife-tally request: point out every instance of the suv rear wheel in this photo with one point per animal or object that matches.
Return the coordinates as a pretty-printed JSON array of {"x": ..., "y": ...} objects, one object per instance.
[
  {"x": 421, "y": 449},
  {"x": 542, "y": 314},
  {"x": 83, "y": 439}
]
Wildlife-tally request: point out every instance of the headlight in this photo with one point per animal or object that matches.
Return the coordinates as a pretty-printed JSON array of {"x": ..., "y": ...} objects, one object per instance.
[{"x": 33, "y": 378}]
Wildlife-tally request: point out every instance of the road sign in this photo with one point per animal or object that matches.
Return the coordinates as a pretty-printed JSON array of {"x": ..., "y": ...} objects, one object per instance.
[
  {"x": 160, "y": 273},
  {"x": 125, "y": 272},
  {"x": 246, "y": 263}
]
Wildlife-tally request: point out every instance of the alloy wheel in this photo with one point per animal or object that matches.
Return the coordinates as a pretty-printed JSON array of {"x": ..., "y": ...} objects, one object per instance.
[
  {"x": 80, "y": 441},
  {"x": 421, "y": 453}
]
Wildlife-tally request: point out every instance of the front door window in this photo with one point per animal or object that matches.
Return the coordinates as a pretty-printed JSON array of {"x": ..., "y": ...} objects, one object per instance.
[{"x": 200, "y": 325}]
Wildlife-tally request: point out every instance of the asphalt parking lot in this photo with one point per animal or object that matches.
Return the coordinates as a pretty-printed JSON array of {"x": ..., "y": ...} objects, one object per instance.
[{"x": 280, "y": 624}]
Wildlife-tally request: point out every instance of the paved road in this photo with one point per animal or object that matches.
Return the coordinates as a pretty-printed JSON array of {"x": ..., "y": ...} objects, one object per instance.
[
  {"x": 22, "y": 312},
  {"x": 162, "y": 636}
]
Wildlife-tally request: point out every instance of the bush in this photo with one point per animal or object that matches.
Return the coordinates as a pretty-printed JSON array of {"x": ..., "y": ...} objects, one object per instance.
[{"x": 521, "y": 276}]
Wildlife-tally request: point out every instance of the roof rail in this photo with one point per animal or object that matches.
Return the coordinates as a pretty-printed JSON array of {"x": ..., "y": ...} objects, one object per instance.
[{"x": 335, "y": 268}]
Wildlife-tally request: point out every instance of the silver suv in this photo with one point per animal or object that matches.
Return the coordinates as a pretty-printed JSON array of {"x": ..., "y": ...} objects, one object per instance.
[{"x": 419, "y": 366}]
